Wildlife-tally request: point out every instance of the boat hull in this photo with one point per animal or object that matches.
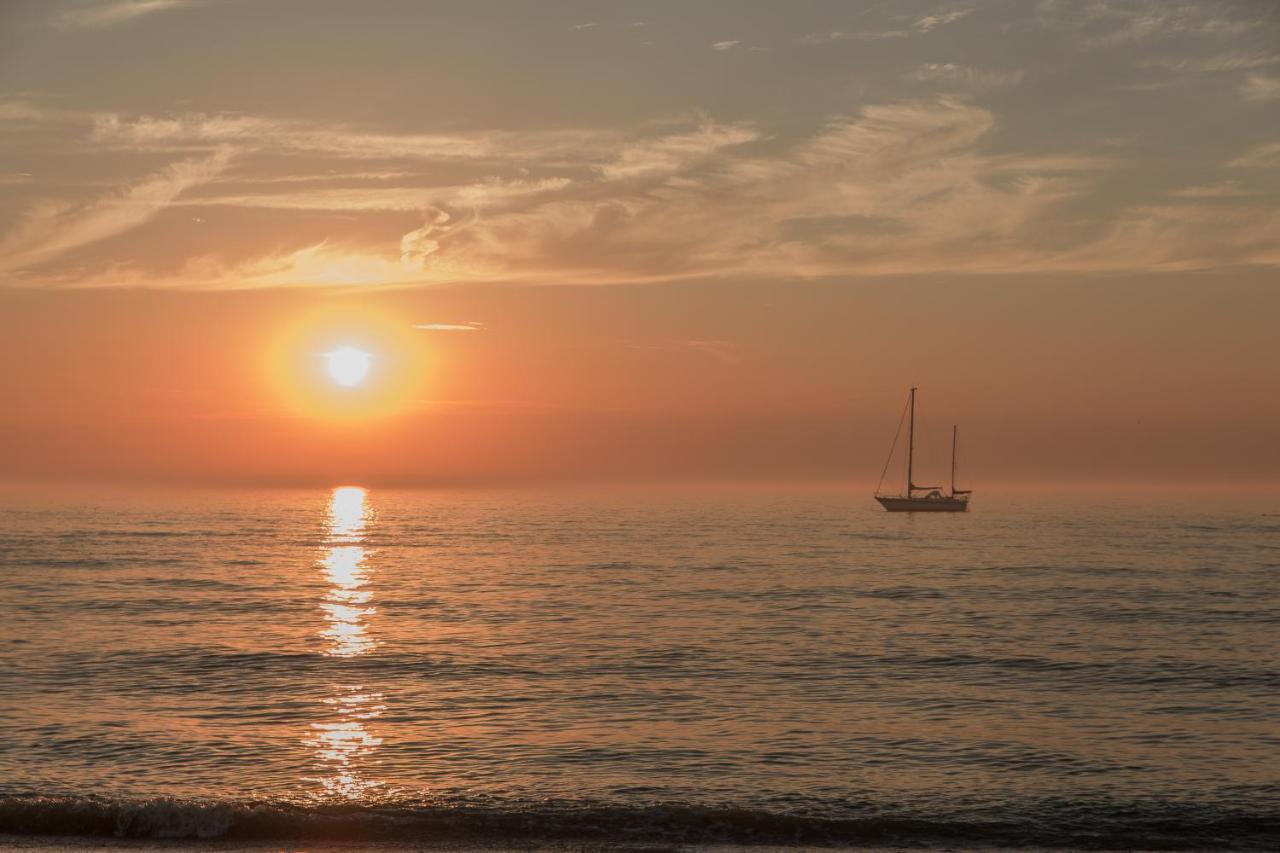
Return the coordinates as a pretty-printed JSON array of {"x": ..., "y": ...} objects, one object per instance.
[{"x": 939, "y": 504}]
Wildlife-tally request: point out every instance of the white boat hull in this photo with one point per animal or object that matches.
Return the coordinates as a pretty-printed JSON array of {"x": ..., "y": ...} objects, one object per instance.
[{"x": 941, "y": 503}]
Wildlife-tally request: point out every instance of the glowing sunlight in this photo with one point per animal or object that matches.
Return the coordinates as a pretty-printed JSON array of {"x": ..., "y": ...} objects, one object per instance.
[
  {"x": 345, "y": 363},
  {"x": 348, "y": 366}
]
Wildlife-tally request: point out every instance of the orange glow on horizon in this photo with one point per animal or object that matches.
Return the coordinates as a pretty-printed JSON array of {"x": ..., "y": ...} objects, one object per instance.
[{"x": 785, "y": 382}]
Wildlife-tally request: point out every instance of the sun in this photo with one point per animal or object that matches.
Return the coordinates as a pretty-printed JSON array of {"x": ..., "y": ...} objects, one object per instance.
[{"x": 348, "y": 366}]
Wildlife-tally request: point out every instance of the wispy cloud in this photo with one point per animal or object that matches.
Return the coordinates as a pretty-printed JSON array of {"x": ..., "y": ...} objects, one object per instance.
[
  {"x": 1222, "y": 62},
  {"x": 1258, "y": 87},
  {"x": 891, "y": 189},
  {"x": 966, "y": 76},
  {"x": 725, "y": 45},
  {"x": 904, "y": 184},
  {"x": 117, "y": 12},
  {"x": 1108, "y": 23},
  {"x": 902, "y": 187},
  {"x": 1180, "y": 236},
  {"x": 841, "y": 35},
  {"x": 54, "y": 228},
  {"x": 927, "y": 24},
  {"x": 477, "y": 195},
  {"x": 201, "y": 131},
  {"x": 931, "y": 22},
  {"x": 1226, "y": 189},
  {"x": 418, "y": 247},
  {"x": 1266, "y": 155},
  {"x": 725, "y": 352},
  {"x": 20, "y": 112},
  {"x": 666, "y": 155},
  {"x": 450, "y": 327},
  {"x": 323, "y": 264}
]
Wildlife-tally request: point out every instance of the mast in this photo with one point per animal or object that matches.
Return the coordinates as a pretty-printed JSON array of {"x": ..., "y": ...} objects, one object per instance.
[
  {"x": 911, "y": 441},
  {"x": 954, "y": 428}
]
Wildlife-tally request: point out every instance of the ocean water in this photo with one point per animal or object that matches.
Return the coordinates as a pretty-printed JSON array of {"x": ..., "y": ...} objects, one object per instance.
[{"x": 781, "y": 667}]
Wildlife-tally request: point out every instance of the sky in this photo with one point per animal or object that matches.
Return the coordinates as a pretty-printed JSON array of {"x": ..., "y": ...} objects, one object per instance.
[{"x": 639, "y": 241}]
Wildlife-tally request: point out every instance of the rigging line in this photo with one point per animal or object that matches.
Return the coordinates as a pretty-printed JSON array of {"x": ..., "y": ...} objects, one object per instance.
[{"x": 894, "y": 446}]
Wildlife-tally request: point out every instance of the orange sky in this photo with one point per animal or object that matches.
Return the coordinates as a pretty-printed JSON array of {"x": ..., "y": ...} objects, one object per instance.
[
  {"x": 655, "y": 242},
  {"x": 1122, "y": 380}
]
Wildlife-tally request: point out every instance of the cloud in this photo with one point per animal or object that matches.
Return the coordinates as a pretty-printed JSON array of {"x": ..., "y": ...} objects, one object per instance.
[
  {"x": 51, "y": 229},
  {"x": 1260, "y": 156},
  {"x": 482, "y": 194},
  {"x": 588, "y": 25},
  {"x": 1106, "y": 24},
  {"x": 724, "y": 352},
  {"x": 724, "y": 45},
  {"x": 840, "y": 35},
  {"x": 417, "y": 247},
  {"x": 1226, "y": 189},
  {"x": 118, "y": 12},
  {"x": 28, "y": 114},
  {"x": 1180, "y": 236},
  {"x": 913, "y": 185},
  {"x": 666, "y": 155},
  {"x": 893, "y": 188},
  {"x": 450, "y": 327},
  {"x": 927, "y": 24},
  {"x": 323, "y": 264},
  {"x": 1223, "y": 62},
  {"x": 203, "y": 132},
  {"x": 1257, "y": 87},
  {"x": 967, "y": 76},
  {"x": 932, "y": 22}
]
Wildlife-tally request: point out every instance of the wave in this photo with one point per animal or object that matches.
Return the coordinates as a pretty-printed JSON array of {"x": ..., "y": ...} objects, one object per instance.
[{"x": 1149, "y": 826}]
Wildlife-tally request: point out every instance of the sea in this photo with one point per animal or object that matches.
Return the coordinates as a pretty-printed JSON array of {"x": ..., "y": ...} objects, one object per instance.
[{"x": 638, "y": 669}]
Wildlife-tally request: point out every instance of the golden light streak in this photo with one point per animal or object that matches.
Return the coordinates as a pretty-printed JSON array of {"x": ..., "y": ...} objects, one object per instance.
[{"x": 343, "y": 746}]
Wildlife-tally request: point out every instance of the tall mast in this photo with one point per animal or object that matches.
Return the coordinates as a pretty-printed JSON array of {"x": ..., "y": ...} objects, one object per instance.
[
  {"x": 953, "y": 458},
  {"x": 911, "y": 442}
]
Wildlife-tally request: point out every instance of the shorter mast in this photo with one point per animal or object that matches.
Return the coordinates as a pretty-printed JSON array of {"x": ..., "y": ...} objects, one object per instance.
[
  {"x": 954, "y": 490},
  {"x": 954, "y": 428},
  {"x": 911, "y": 441}
]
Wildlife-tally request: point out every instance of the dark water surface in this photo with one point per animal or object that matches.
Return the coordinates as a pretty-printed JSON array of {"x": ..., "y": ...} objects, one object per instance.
[{"x": 786, "y": 667}]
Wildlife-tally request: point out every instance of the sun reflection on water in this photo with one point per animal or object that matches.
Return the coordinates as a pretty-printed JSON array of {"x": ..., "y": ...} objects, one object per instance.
[
  {"x": 346, "y": 604},
  {"x": 342, "y": 743},
  {"x": 347, "y": 513}
]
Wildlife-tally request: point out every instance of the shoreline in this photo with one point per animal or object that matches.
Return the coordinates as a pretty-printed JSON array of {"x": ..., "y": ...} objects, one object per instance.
[{"x": 77, "y": 844}]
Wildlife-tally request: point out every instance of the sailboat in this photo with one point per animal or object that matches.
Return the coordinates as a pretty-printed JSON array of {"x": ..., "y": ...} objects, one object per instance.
[{"x": 922, "y": 498}]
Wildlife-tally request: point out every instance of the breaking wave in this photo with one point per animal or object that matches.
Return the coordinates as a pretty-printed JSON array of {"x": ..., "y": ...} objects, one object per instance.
[{"x": 1151, "y": 825}]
